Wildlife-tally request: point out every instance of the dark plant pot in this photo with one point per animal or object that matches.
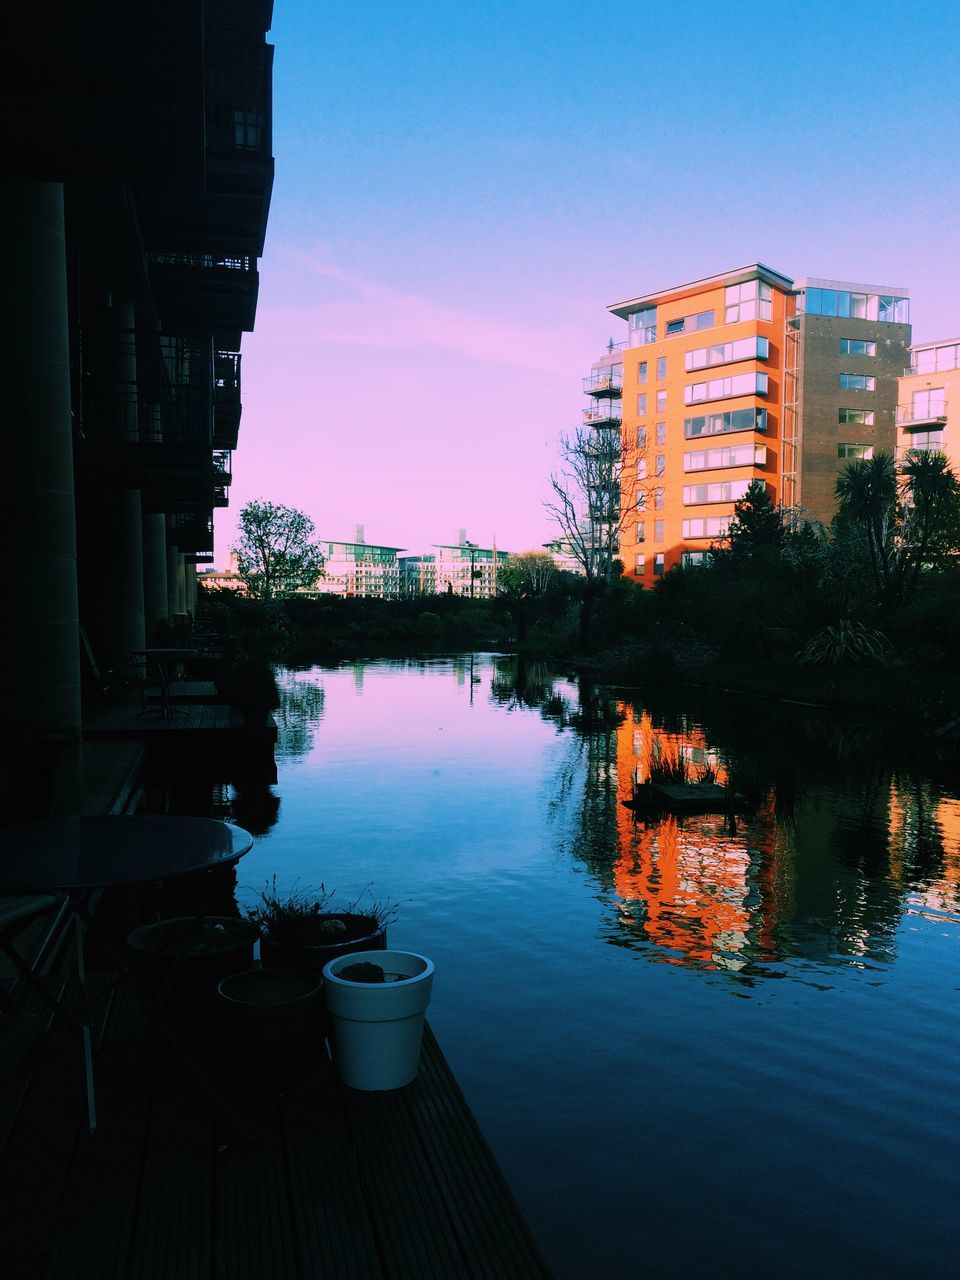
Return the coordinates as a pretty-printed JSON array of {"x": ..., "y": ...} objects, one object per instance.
[
  {"x": 183, "y": 961},
  {"x": 272, "y": 1022},
  {"x": 362, "y": 933}
]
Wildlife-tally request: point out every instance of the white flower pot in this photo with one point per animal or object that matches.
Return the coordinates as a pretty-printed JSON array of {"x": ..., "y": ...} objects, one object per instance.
[{"x": 378, "y": 1026}]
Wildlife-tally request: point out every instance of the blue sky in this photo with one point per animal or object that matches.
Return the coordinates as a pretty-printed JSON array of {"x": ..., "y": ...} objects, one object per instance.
[{"x": 462, "y": 189}]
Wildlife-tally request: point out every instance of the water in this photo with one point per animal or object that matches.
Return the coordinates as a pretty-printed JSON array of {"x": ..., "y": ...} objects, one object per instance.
[{"x": 692, "y": 1048}]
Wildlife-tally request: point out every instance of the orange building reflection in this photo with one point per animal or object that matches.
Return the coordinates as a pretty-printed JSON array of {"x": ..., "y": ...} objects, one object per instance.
[{"x": 692, "y": 887}]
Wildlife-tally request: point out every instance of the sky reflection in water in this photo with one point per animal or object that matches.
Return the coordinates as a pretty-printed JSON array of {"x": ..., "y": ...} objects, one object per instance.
[{"x": 585, "y": 961}]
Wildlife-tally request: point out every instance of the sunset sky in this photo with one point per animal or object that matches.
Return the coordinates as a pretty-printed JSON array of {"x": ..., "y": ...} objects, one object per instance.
[{"x": 462, "y": 189}]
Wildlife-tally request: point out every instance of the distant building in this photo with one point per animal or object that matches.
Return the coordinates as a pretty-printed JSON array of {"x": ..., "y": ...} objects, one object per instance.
[
  {"x": 460, "y": 568},
  {"x": 359, "y": 568},
  {"x": 223, "y": 579},
  {"x": 928, "y": 401}
]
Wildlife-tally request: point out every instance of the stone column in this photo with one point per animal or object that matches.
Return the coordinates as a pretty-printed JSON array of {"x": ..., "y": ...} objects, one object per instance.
[
  {"x": 41, "y": 705},
  {"x": 173, "y": 579},
  {"x": 154, "y": 572}
]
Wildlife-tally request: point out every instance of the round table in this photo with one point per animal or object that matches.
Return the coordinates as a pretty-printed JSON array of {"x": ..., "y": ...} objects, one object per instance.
[{"x": 100, "y": 853}]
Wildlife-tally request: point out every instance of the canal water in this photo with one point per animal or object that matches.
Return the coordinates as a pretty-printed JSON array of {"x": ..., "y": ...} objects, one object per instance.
[{"x": 705, "y": 1046}]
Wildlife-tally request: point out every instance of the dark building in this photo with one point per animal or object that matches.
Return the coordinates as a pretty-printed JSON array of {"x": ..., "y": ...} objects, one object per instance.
[
  {"x": 137, "y": 184},
  {"x": 845, "y": 348}
]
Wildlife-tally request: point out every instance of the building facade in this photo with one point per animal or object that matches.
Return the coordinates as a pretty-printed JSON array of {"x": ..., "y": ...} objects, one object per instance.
[
  {"x": 359, "y": 569},
  {"x": 462, "y": 568},
  {"x": 739, "y": 377},
  {"x": 928, "y": 406}
]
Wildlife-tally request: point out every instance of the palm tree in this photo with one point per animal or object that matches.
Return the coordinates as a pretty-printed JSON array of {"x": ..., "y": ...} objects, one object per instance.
[
  {"x": 867, "y": 493},
  {"x": 930, "y": 513}
]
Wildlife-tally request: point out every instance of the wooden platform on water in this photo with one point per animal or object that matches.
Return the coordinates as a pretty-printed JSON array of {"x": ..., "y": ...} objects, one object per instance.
[{"x": 301, "y": 1179}]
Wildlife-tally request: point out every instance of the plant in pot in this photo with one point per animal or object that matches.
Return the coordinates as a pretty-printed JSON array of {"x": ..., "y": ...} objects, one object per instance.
[
  {"x": 181, "y": 961},
  {"x": 377, "y": 1002},
  {"x": 301, "y": 930}
]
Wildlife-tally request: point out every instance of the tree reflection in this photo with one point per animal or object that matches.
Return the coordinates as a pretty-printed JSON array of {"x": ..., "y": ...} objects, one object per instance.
[
  {"x": 299, "y": 713},
  {"x": 821, "y": 868}
]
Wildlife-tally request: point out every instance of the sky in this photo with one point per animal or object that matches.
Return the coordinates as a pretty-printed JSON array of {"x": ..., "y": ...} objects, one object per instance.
[{"x": 462, "y": 189}]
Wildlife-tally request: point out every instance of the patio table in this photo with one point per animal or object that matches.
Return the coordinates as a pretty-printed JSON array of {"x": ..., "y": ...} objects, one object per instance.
[{"x": 78, "y": 855}]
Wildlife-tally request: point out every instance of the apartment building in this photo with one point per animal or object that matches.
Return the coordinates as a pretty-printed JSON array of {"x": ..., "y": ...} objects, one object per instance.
[
  {"x": 845, "y": 348},
  {"x": 461, "y": 568},
  {"x": 360, "y": 568},
  {"x": 739, "y": 377},
  {"x": 928, "y": 408}
]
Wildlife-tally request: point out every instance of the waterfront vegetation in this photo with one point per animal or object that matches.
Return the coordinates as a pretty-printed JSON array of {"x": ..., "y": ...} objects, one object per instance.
[{"x": 865, "y": 614}]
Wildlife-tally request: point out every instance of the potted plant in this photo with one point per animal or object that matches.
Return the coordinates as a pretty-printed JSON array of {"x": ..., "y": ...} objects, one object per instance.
[
  {"x": 274, "y": 1020},
  {"x": 183, "y": 959},
  {"x": 377, "y": 1001},
  {"x": 300, "y": 930}
]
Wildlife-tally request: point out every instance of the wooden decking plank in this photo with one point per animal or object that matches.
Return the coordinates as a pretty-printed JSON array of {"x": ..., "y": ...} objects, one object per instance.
[
  {"x": 254, "y": 1228},
  {"x": 100, "y": 1203},
  {"x": 478, "y": 1196},
  {"x": 414, "y": 1232},
  {"x": 173, "y": 1239},
  {"x": 329, "y": 1205}
]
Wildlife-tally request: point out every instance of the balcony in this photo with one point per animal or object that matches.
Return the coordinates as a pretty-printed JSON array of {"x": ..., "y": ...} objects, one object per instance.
[
  {"x": 921, "y": 415},
  {"x": 209, "y": 291},
  {"x": 226, "y": 399},
  {"x": 603, "y": 415},
  {"x": 191, "y": 530},
  {"x": 604, "y": 383}
]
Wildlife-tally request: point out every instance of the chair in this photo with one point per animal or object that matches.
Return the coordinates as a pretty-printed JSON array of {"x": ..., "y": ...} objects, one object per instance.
[{"x": 128, "y": 676}]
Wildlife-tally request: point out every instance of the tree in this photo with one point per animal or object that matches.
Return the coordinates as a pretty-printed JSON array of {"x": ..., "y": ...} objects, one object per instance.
[
  {"x": 523, "y": 583},
  {"x": 908, "y": 518},
  {"x": 588, "y": 505},
  {"x": 275, "y": 554},
  {"x": 867, "y": 493},
  {"x": 757, "y": 526}
]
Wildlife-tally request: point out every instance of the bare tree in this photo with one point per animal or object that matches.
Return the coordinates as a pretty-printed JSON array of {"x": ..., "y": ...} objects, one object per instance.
[{"x": 590, "y": 499}]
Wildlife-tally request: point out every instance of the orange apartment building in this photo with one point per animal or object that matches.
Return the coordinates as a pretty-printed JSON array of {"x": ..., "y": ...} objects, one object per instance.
[{"x": 742, "y": 376}]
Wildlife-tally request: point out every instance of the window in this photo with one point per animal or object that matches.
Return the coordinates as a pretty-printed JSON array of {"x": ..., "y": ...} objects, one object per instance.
[
  {"x": 641, "y": 531},
  {"x": 658, "y": 565},
  {"x": 661, "y": 402},
  {"x": 739, "y": 384},
  {"x": 722, "y": 491},
  {"x": 926, "y": 440},
  {"x": 642, "y": 372},
  {"x": 862, "y": 416},
  {"x": 661, "y": 368},
  {"x": 706, "y": 527},
  {"x": 859, "y": 306},
  {"x": 661, "y": 433},
  {"x": 849, "y": 451},
  {"x": 935, "y": 359},
  {"x": 641, "y": 468},
  {"x": 643, "y": 327},
  {"x": 727, "y": 353},
  {"x": 658, "y": 531},
  {"x": 928, "y": 404},
  {"x": 658, "y": 496},
  {"x": 752, "y": 300},
  {"x": 857, "y": 382},
  {"x": 641, "y": 437},
  {"x": 661, "y": 464},
  {"x": 854, "y": 347},
  {"x": 693, "y": 559},
  {"x": 641, "y": 404},
  {"x": 641, "y": 565},
  {"x": 641, "y": 501},
  {"x": 714, "y": 424},
  {"x": 738, "y": 455},
  {"x": 686, "y": 324}
]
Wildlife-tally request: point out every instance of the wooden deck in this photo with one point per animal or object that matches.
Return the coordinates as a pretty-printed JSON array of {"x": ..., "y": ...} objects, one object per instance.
[{"x": 297, "y": 1178}]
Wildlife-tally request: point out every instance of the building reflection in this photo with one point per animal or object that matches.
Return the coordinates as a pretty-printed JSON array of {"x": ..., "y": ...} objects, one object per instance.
[{"x": 836, "y": 846}]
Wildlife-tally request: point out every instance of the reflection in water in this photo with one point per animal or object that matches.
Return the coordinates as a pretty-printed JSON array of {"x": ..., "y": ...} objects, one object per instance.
[
  {"x": 820, "y": 870},
  {"x": 300, "y": 710}
]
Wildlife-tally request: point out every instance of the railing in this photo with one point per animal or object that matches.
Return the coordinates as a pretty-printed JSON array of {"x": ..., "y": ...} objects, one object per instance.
[
  {"x": 238, "y": 99},
  {"x": 598, "y": 384},
  {"x": 203, "y": 261},
  {"x": 610, "y": 415},
  {"x": 226, "y": 374},
  {"x": 910, "y": 414}
]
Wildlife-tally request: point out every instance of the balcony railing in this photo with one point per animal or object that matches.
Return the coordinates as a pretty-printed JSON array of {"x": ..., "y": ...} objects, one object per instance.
[
  {"x": 608, "y": 415},
  {"x": 913, "y": 415},
  {"x": 604, "y": 384}
]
